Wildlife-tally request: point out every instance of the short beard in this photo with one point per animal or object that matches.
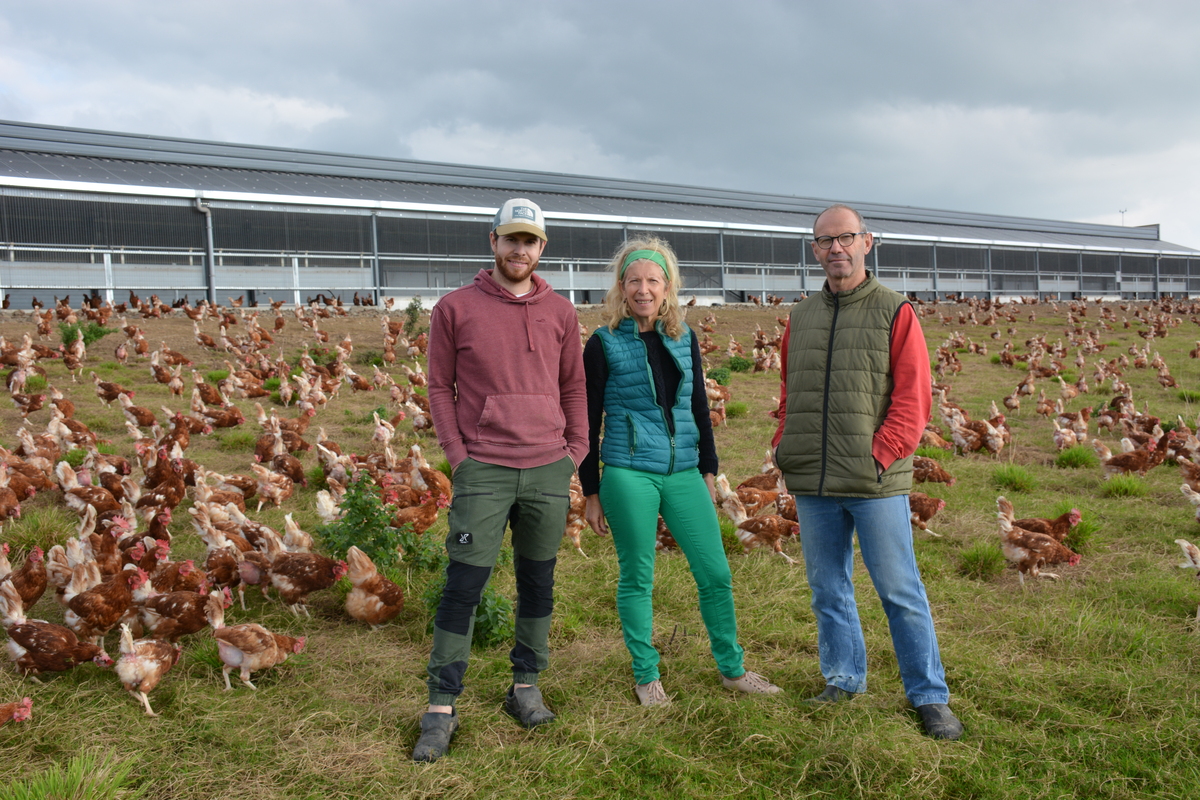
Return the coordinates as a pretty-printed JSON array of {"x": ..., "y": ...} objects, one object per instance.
[{"x": 502, "y": 267}]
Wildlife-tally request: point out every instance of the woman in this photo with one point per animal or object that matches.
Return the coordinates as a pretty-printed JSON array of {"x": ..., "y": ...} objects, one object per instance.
[{"x": 646, "y": 384}]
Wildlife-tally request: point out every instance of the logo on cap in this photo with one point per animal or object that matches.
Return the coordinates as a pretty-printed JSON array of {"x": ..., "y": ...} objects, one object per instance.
[{"x": 523, "y": 212}]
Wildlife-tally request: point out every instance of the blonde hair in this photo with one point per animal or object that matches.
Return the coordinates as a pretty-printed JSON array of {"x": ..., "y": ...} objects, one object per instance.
[{"x": 670, "y": 314}]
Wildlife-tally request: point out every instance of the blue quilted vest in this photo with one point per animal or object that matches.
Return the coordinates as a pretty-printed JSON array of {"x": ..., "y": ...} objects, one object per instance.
[{"x": 635, "y": 430}]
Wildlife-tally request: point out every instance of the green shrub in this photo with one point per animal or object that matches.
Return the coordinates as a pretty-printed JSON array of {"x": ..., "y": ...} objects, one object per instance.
[
  {"x": 1077, "y": 457},
  {"x": 412, "y": 318},
  {"x": 366, "y": 523},
  {"x": 1168, "y": 425},
  {"x": 721, "y": 375},
  {"x": 1188, "y": 396},
  {"x": 216, "y": 375},
  {"x": 91, "y": 332},
  {"x": 740, "y": 364},
  {"x": 982, "y": 561},
  {"x": 1013, "y": 477},
  {"x": 1124, "y": 486},
  {"x": 736, "y": 409},
  {"x": 494, "y": 622}
]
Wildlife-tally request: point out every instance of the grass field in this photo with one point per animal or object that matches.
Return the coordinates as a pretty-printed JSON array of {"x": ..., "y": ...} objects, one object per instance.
[{"x": 1084, "y": 687}]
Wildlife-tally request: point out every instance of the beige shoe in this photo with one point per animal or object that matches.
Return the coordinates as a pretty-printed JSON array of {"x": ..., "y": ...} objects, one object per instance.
[
  {"x": 651, "y": 694},
  {"x": 751, "y": 683}
]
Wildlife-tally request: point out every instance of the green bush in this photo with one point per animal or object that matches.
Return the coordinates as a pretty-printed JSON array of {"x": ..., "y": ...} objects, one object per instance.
[
  {"x": 982, "y": 561},
  {"x": 494, "y": 623},
  {"x": 316, "y": 478},
  {"x": 91, "y": 332},
  {"x": 412, "y": 318},
  {"x": 1077, "y": 457},
  {"x": 721, "y": 375},
  {"x": 366, "y": 523},
  {"x": 1125, "y": 486},
  {"x": 1012, "y": 477},
  {"x": 740, "y": 364},
  {"x": 736, "y": 409}
]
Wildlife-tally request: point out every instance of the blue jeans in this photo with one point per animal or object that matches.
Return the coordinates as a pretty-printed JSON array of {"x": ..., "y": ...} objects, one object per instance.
[{"x": 827, "y": 526}]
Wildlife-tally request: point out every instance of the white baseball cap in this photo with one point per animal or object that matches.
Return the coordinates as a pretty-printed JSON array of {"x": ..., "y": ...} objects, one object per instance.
[{"x": 520, "y": 215}]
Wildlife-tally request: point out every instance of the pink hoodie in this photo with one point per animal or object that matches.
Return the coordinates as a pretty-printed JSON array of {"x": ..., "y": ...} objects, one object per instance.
[{"x": 506, "y": 382}]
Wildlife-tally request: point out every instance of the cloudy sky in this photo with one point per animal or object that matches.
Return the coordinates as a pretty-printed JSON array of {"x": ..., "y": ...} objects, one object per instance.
[{"x": 1064, "y": 110}]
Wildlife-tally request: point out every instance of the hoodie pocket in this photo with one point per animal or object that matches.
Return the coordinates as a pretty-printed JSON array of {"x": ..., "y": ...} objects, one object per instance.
[{"x": 521, "y": 419}]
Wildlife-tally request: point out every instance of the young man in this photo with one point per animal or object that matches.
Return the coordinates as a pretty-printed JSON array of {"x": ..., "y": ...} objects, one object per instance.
[
  {"x": 855, "y": 398},
  {"x": 507, "y": 393}
]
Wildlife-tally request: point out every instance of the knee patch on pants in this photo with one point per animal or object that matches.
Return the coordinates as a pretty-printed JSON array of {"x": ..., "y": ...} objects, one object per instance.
[
  {"x": 535, "y": 587},
  {"x": 464, "y": 588}
]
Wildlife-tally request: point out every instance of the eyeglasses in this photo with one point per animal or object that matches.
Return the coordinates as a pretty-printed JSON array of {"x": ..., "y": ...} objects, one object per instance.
[{"x": 845, "y": 240}]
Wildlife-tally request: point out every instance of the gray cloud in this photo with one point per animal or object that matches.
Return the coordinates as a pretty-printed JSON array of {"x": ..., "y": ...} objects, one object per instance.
[{"x": 1070, "y": 110}]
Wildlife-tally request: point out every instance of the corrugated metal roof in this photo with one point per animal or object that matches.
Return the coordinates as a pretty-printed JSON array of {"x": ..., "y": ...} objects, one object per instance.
[{"x": 51, "y": 153}]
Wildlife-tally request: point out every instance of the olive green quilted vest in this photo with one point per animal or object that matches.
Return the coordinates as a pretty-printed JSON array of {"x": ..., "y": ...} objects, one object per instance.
[{"x": 839, "y": 386}]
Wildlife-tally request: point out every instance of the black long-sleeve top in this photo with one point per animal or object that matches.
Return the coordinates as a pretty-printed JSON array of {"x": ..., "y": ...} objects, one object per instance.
[{"x": 666, "y": 383}]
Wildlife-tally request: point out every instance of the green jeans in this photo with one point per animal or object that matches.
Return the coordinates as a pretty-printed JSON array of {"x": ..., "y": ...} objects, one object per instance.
[
  {"x": 487, "y": 499},
  {"x": 632, "y": 501}
]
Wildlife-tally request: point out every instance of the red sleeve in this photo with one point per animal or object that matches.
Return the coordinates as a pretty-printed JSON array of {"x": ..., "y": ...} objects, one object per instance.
[
  {"x": 911, "y": 397},
  {"x": 783, "y": 358}
]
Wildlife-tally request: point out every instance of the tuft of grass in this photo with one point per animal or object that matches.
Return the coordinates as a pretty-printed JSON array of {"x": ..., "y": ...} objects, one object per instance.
[
  {"x": 1014, "y": 478},
  {"x": 88, "y": 775},
  {"x": 994, "y": 359},
  {"x": 233, "y": 441},
  {"x": 1188, "y": 396},
  {"x": 736, "y": 409},
  {"x": 369, "y": 358},
  {"x": 316, "y": 478},
  {"x": 1081, "y": 537},
  {"x": 445, "y": 468},
  {"x": 1077, "y": 457},
  {"x": 1022, "y": 365},
  {"x": 981, "y": 561},
  {"x": 91, "y": 332},
  {"x": 216, "y": 375},
  {"x": 271, "y": 384},
  {"x": 35, "y": 383},
  {"x": 1124, "y": 486},
  {"x": 936, "y": 453},
  {"x": 44, "y": 526},
  {"x": 74, "y": 457}
]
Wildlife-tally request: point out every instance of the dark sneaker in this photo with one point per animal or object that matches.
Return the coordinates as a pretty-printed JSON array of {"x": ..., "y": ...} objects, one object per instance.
[
  {"x": 831, "y": 694},
  {"x": 526, "y": 705},
  {"x": 436, "y": 732},
  {"x": 939, "y": 721}
]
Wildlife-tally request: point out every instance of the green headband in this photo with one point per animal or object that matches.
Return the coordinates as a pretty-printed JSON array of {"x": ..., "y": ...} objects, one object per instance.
[{"x": 649, "y": 255}]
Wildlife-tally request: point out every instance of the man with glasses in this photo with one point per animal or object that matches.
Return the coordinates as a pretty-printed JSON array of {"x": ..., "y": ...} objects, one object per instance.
[{"x": 854, "y": 400}]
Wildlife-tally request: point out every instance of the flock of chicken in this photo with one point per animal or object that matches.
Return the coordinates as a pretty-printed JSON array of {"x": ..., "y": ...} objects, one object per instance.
[
  {"x": 116, "y": 573},
  {"x": 1031, "y": 544}
]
